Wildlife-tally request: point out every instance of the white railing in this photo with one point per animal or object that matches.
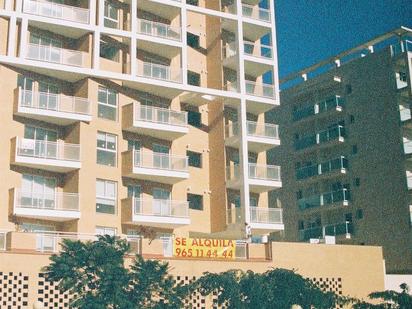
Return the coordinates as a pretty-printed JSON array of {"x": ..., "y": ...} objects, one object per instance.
[
  {"x": 266, "y": 215},
  {"x": 409, "y": 181},
  {"x": 266, "y": 130},
  {"x": 265, "y": 172},
  {"x": 47, "y": 150},
  {"x": 404, "y": 113},
  {"x": 328, "y": 198},
  {"x": 159, "y": 71},
  {"x": 407, "y": 146},
  {"x": 54, "y": 102},
  {"x": 255, "y": 12},
  {"x": 56, "y": 10},
  {"x": 260, "y": 89},
  {"x": 55, "y": 55},
  {"x": 160, "y": 161},
  {"x": 3, "y": 240},
  {"x": 40, "y": 200},
  {"x": 160, "y": 115},
  {"x": 162, "y": 208},
  {"x": 257, "y": 50},
  {"x": 159, "y": 29}
]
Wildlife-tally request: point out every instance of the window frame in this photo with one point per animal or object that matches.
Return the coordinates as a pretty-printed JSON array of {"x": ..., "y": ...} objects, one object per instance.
[
  {"x": 106, "y": 92},
  {"x": 190, "y": 202},
  {"x": 199, "y": 154},
  {"x": 105, "y": 196},
  {"x": 105, "y": 149}
]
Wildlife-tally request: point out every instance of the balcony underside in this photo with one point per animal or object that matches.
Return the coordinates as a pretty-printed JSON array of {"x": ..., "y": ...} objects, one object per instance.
[
  {"x": 50, "y": 116},
  {"x": 46, "y": 214},
  {"x": 253, "y": 29},
  {"x": 158, "y": 175},
  {"x": 336, "y": 173},
  {"x": 255, "y": 66},
  {"x": 66, "y": 28},
  {"x": 52, "y": 165},
  {"x": 159, "y": 46},
  {"x": 266, "y": 228},
  {"x": 255, "y": 143},
  {"x": 231, "y": 62},
  {"x": 262, "y": 185},
  {"x": 160, "y": 221},
  {"x": 158, "y": 130}
]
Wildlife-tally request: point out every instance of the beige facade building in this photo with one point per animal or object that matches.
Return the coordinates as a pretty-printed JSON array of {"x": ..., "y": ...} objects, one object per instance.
[{"x": 345, "y": 154}]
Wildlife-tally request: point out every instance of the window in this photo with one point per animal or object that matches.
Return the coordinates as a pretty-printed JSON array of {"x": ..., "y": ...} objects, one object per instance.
[
  {"x": 194, "y": 159},
  {"x": 106, "y": 149},
  {"x": 354, "y": 149},
  {"x": 45, "y": 48},
  {"x": 195, "y": 201},
  {"x": 194, "y": 119},
  {"x": 111, "y": 15},
  {"x": 48, "y": 96},
  {"x": 193, "y": 40},
  {"x": 104, "y": 230},
  {"x": 357, "y": 182},
  {"x": 38, "y": 192},
  {"x": 45, "y": 145},
  {"x": 109, "y": 51},
  {"x": 348, "y": 89},
  {"x": 26, "y": 85},
  {"x": 348, "y": 217},
  {"x": 193, "y": 2},
  {"x": 351, "y": 119},
  {"x": 107, "y": 104},
  {"x": 299, "y": 195},
  {"x": 403, "y": 77},
  {"x": 106, "y": 196},
  {"x": 193, "y": 78},
  {"x": 301, "y": 225},
  {"x": 359, "y": 214}
]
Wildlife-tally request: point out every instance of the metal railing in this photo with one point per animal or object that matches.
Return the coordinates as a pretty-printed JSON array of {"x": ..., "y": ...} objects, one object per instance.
[
  {"x": 266, "y": 215},
  {"x": 264, "y": 172},
  {"x": 400, "y": 47},
  {"x": 47, "y": 150},
  {"x": 409, "y": 181},
  {"x": 54, "y": 102},
  {"x": 257, "y": 50},
  {"x": 159, "y": 71},
  {"x": 328, "y": 198},
  {"x": 157, "y": 29},
  {"x": 266, "y": 130},
  {"x": 46, "y": 201},
  {"x": 333, "y": 133},
  {"x": 322, "y": 168},
  {"x": 160, "y": 115},
  {"x": 255, "y": 12},
  {"x": 260, "y": 89},
  {"x": 407, "y": 146},
  {"x": 405, "y": 113},
  {"x": 337, "y": 229},
  {"x": 160, "y": 161},
  {"x": 55, "y": 55},
  {"x": 56, "y": 10},
  {"x": 331, "y": 103},
  {"x": 159, "y": 207}
]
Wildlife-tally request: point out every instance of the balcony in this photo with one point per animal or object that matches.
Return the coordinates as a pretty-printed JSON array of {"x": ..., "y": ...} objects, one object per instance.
[
  {"x": 58, "y": 206},
  {"x": 153, "y": 121},
  {"x": 407, "y": 147},
  {"x": 156, "y": 213},
  {"x": 255, "y": 12},
  {"x": 260, "y": 89},
  {"x": 409, "y": 181},
  {"x": 57, "y": 11},
  {"x": 330, "y": 105},
  {"x": 266, "y": 220},
  {"x": 51, "y": 156},
  {"x": 344, "y": 228},
  {"x": 156, "y": 167},
  {"x": 57, "y": 55},
  {"x": 335, "y": 198},
  {"x": 260, "y": 136},
  {"x": 258, "y": 50},
  {"x": 160, "y": 30},
  {"x": 53, "y": 108},
  {"x": 160, "y": 72},
  {"x": 329, "y": 168},
  {"x": 326, "y": 137}
]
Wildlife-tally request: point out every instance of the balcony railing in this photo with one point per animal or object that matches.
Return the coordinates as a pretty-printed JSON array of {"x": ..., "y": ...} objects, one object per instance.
[
  {"x": 55, "y": 55},
  {"x": 257, "y": 50},
  {"x": 160, "y": 161},
  {"x": 159, "y": 71},
  {"x": 260, "y": 90},
  {"x": 229, "y": 50},
  {"x": 264, "y": 172},
  {"x": 404, "y": 113},
  {"x": 45, "y": 201},
  {"x": 56, "y": 10},
  {"x": 333, "y": 103},
  {"x": 265, "y": 130},
  {"x": 54, "y": 102},
  {"x": 47, "y": 150},
  {"x": 255, "y": 12},
  {"x": 160, "y": 115},
  {"x": 305, "y": 172},
  {"x": 407, "y": 146},
  {"x": 337, "y": 229},
  {"x": 402, "y": 46},
  {"x": 266, "y": 215},
  {"x": 339, "y": 196},
  {"x": 331, "y": 134},
  {"x": 157, "y": 29},
  {"x": 163, "y": 208}
]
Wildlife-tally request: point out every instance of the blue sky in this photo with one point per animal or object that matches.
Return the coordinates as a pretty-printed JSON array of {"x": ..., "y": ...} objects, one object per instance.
[{"x": 311, "y": 30}]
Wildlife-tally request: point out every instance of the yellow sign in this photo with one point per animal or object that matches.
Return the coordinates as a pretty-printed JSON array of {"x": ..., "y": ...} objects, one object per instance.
[{"x": 204, "y": 248}]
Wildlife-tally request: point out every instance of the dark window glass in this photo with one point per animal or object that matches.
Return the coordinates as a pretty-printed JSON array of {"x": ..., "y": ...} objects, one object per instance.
[
  {"x": 194, "y": 158},
  {"x": 193, "y": 2},
  {"x": 194, "y": 119},
  {"x": 359, "y": 214},
  {"x": 354, "y": 149},
  {"x": 193, "y": 40},
  {"x": 195, "y": 201},
  {"x": 193, "y": 78}
]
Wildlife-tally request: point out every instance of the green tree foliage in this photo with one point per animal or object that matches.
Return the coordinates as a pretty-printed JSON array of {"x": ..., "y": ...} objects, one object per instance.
[
  {"x": 391, "y": 299},
  {"x": 276, "y": 288}
]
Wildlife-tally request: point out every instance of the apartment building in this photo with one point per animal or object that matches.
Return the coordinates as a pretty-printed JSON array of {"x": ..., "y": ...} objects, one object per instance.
[{"x": 345, "y": 154}]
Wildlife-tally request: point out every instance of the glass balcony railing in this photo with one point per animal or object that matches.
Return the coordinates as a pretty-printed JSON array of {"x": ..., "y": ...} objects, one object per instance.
[
  {"x": 159, "y": 71},
  {"x": 159, "y": 207},
  {"x": 265, "y": 130},
  {"x": 305, "y": 172},
  {"x": 332, "y": 103},
  {"x": 47, "y": 150},
  {"x": 328, "y": 198},
  {"x": 343, "y": 228},
  {"x": 55, "y": 55},
  {"x": 264, "y": 172},
  {"x": 160, "y": 115},
  {"x": 255, "y": 12},
  {"x": 266, "y": 215},
  {"x": 407, "y": 146},
  {"x": 160, "y": 30},
  {"x": 46, "y": 201},
  {"x": 54, "y": 102},
  {"x": 260, "y": 90},
  {"x": 331, "y": 134},
  {"x": 161, "y": 161},
  {"x": 257, "y": 50},
  {"x": 56, "y": 10}
]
